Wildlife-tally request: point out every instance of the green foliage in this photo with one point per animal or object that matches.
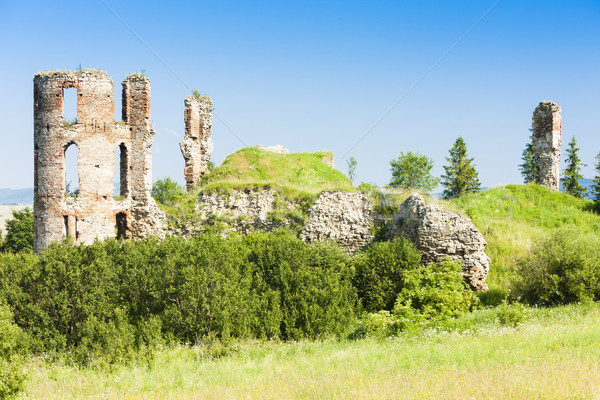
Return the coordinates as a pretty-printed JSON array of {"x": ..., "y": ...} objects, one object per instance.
[
  {"x": 511, "y": 313},
  {"x": 572, "y": 174},
  {"x": 460, "y": 177},
  {"x": 19, "y": 232},
  {"x": 379, "y": 272},
  {"x": 562, "y": 268},
  {"x": 384, "y": 202},
  {"x": 351, "y": 162},
  {"x": 12, "y": 376},
  {"x": 112, "y": 302},
  {"x": 512, "y": 217},
  {"x": 596, "y": 184},
  {"x": 529, "y": 169},
  {"x": 432, "y": 293},
  {"x": 413, "y": 171},
  {"x": 167, "y": 192}
]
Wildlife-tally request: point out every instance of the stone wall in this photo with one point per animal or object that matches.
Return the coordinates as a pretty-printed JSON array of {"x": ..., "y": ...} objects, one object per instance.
[
  {"x": 197, "y": 146},
  {"x": 547, "y": 140},
  {"x": 340, "y": 216},
  {"x": 439, "y": 233},
  {"x": 93, "y": 213}
]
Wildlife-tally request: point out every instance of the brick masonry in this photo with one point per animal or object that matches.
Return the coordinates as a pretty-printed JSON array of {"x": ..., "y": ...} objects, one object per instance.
[
  {"x": 196, "y": 146},
  {"x": 93, "y": 213}
]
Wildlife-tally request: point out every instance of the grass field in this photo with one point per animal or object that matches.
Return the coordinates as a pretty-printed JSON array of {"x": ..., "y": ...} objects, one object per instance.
[{"x": 554, "y": 354}]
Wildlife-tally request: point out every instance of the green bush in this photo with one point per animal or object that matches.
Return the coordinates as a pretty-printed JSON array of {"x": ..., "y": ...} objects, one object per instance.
[
  {"x": 12, "y": 376},
  {"x": 432, "y": 293},
  {"x": 379, "y": 272},
  {"x": 167, "y": 192},
  {"x": 511, "y": 314},
  {"x": 562, "y": 268},
  {"x": 19, "y": 232}
]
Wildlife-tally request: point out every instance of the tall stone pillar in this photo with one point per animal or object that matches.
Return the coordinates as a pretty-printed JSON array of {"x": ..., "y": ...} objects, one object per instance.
[
  {"x": 197, "y": 146},
  {"x": 547, "y": 140}
]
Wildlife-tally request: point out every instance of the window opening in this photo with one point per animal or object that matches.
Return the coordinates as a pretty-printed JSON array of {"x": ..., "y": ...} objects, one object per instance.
[
  {"x": 71, "y": 173},
  {"x": 70, "y": 106},
  {"x": 121, "y": 167}
]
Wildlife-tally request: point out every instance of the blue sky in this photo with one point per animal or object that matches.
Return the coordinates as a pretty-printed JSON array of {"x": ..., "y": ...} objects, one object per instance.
[{"x": 317, "y": 75}]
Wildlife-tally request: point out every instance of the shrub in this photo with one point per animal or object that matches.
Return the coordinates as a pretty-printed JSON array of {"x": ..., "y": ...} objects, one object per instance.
[
  {"x": 432, "y": 293},
  {"x": 19, "y": 232},
  {"x": 511, "y": 314},
  {"x": 379, "y": 272},
  {"x": 167, "y": 191},
  {"x": 11, "y": 366},
  {"x": 561, "y": 268}
]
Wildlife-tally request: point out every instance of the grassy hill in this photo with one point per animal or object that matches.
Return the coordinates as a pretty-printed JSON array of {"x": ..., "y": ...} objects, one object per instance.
[
  {"x": 296, "y": 175},
  {"x": 511, "y": 217}
]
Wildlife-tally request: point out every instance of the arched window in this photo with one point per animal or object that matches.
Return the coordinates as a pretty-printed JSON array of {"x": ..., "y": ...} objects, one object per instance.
[
  {"x": 121, "y": 227},
  {"x": 71, "y": 173}
]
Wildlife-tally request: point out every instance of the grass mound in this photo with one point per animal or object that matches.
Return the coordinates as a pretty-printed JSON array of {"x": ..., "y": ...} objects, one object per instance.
[
  {"x": 511, "y": 217},
  {"x": 296, "y": 175}
]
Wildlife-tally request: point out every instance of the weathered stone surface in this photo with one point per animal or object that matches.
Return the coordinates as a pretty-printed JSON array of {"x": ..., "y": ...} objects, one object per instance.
[
  {"x": 547, "y": 140},
  {"x": 342, "y": 216},
  {"x": 93, "y": 213},
  {"x": 279, "y": 149},
  {"x": 197, "y": 146},
  {"x": 440, "y": 233}
]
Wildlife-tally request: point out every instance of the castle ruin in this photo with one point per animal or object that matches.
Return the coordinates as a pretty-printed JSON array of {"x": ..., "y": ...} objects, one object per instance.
[
  {"x": 547, "y": 140},
  {"x": 93, "y": 212},
  {"x": 196, "y": 146}
]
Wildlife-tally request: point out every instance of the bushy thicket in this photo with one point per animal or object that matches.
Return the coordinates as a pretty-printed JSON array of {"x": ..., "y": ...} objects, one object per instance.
[
  {"x": 561, "y": 268},
  {"x": 11, "y": 367},
  {"x": 114, "y": 298}
]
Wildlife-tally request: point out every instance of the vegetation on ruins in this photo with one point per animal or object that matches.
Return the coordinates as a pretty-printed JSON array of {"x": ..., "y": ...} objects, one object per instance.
[
  {"x": 413, "y": 171},
  {"x": 351, "y": 163},
  {"x": 572, "y": 174},
  {"x": 529, "y": 169},
  {"x": 167, "y": 192},
  {"x": 296, "y": 175},
  {"x": 460, "y": 175}
]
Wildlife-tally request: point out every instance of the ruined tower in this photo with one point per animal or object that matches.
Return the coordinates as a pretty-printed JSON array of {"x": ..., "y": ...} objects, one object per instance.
[
  {"x": 547, "y": 140},
  {"x": 196, "y": 146},
  {"x": 93, "y": 212}
]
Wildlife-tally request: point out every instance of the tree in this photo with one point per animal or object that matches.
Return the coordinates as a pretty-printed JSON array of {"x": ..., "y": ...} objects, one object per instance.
[
  {"x": 413, "y": 171},
  {"x": 351, "y": 169},
  {"x": 572, "y": 175},
  {"x": 167, "y": 191},
  {"x": 529, "y": 170},
  {"x": 596, "y": 184},
  {"x": 461, "y": 176},
  {"x": 19, "y": 232}
]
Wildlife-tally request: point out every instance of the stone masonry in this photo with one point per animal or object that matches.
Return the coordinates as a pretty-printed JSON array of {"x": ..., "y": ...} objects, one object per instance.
[
  {"x": 439, "y": 233},
  {"x": 547, "y": 140},
  {"x": 197, "y": 146},
  {"x": 93, "y": 212}
]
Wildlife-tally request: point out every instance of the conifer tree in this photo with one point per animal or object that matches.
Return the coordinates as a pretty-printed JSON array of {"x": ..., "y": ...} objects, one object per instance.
[
  {"x": 596, "y": 183},
  {"x": 529, "y": 170},
  {"x": 461, "y": 176},
  {"x": 572, "y": 175}
]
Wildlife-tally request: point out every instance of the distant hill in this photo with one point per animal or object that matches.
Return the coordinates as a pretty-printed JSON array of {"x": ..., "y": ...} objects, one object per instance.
[{"x": 16, "y": 196}]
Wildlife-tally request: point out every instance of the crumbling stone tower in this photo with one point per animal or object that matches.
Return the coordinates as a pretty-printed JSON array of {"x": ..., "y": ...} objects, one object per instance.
[
  {"x": 547, "y": 140},
  {"x": 93, "y": 213},
  {"x": 197, "y": 146}
]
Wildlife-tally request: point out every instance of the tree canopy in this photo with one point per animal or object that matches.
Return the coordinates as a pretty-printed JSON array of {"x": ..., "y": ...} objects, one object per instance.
[
  {"x": 413, "y": 171},
  {"x": 460, "y": 177}
]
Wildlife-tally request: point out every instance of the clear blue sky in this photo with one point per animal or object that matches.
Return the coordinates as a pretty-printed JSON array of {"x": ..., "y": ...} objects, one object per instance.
[{"x": 317, "y": 75}]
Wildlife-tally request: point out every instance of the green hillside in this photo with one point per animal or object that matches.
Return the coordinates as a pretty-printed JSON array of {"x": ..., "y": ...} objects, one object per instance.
[
  {"x": 296, "y": 175},
  {"x": 511, "y": 217}
]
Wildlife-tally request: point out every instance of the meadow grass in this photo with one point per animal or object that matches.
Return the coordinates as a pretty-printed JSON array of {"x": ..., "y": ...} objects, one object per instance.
[
  {"x": 554, "y": 354},
  {"x": 512, "y": 217}
]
